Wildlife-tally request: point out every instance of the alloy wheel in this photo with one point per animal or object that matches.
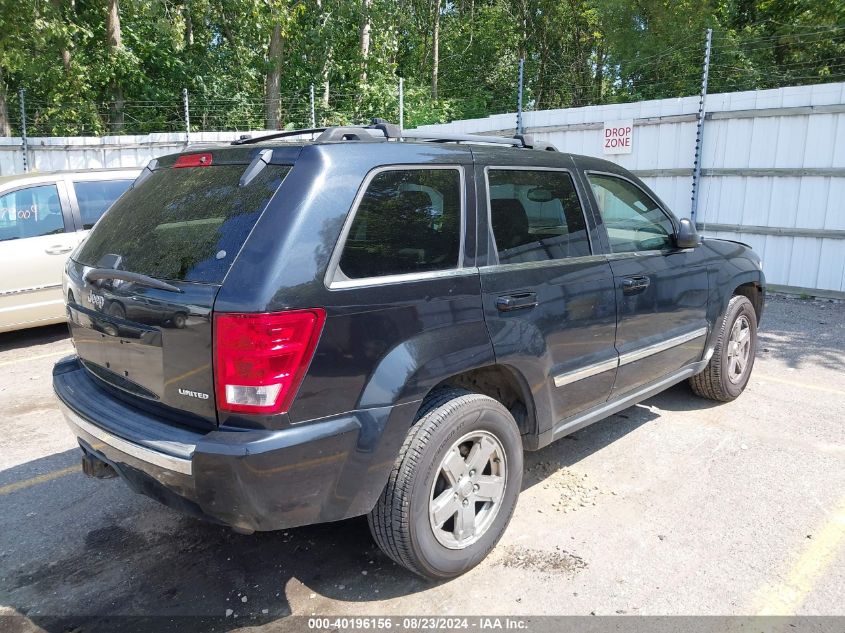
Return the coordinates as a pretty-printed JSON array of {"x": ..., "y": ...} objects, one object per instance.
[
  {"x": 468, "y": 489},
  {"x": 739, "y": 349}
]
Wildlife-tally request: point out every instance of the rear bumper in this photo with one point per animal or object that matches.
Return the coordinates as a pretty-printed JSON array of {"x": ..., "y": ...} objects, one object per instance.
[{"x": 313, "y": 472}]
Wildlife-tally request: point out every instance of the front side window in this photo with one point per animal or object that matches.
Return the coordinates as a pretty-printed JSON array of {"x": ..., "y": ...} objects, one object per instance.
[
  {"x": 633, "y": 220},
  {"x": 31, "y": 212},
  {"x": 536, "y": 216},
  {"x": 408, "y": 221},
  {"x": 95, "y": 196}
]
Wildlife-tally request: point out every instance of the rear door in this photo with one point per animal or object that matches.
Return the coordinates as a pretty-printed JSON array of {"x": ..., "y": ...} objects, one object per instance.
[
  {"x": 36, "y": 235},
  {"x": 548, "y": 295},
  {"x": 142, "y": 286},
  {"x": 661, "y": 290}
]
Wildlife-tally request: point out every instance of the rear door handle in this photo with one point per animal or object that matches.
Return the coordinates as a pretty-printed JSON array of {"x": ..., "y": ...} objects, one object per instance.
[
  {"x": 520, "y": 301},
  {"x": 635, "y": 285},
  {"x": 58, "y": 250}
]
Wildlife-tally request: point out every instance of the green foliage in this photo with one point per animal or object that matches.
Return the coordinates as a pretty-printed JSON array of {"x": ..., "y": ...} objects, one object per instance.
[{"x": 577, "y": 52}]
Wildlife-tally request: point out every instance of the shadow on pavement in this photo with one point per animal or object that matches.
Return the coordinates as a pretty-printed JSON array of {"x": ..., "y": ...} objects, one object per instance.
[
  {"x": 80, "y": 555},
  {"x": 681, "y": 398},
  {"x": 101, "y": 553},
  {"x": 808, "y": 332},
  {"x": 33, "y": 336}
]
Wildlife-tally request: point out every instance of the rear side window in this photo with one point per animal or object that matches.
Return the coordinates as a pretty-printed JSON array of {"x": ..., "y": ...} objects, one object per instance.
[
  {"x": 95, "y": 196},
  {"x": 408, "y": 221},
  {"x": 182, "y": 224},
  {"x": 30, "y": 212},
  {"x": 536, "y": 216}
]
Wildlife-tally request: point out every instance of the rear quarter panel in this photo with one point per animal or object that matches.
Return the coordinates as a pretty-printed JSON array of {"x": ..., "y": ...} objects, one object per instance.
[{"x": 382, "y": 344}]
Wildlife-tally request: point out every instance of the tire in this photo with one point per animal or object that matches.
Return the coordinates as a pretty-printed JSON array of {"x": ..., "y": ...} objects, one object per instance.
[
  {"x": 450, "y": 422},
  {"x": 721, "y": 380},
  {"x": 116, "y": 310}
]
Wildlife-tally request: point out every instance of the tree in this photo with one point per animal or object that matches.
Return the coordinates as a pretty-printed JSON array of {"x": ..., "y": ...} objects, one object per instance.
[
  {"x": 115, "y": 47},
  {"x": 95, "y": 67},
  {"x": 435, "y": 50},
  {"x": 272, "y": 91},
  {"x": 5, "y": 126},
  {"x": 364, "y": 38}
]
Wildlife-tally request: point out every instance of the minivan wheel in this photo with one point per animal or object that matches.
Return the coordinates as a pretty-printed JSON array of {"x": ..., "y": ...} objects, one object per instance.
[
  {"x": 453, "y": 488},
  {"x": 729, "y": 369}
]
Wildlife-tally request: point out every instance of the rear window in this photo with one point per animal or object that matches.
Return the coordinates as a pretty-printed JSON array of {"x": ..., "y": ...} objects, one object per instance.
[
  {"x": 182, "y": 224},
  {"x": 95, "y": 196}
]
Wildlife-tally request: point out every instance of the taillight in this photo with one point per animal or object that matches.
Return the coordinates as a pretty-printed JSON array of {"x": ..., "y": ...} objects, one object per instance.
[
  {"x": 261, "y": 359},
  {"x": 193, "y": 160}
]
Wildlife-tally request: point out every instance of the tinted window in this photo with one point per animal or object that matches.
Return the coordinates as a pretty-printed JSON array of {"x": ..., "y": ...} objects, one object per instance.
[
  {"x": 95, "y": 196},
  {"x": 31, "y": 212},
  {"x": 633, "y": 220},
  {"x": 182, "y": 224},
  {"x": 536, "y": 216},
  {"x": 408, "y": 221}
]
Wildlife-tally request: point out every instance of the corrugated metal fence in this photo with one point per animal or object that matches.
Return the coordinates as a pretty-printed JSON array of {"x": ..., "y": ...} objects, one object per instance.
[
  {"x": 97, "y": 152},
  {"x": 773, "y": 166}
]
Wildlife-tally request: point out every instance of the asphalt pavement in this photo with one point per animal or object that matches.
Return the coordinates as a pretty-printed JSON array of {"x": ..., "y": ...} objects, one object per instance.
[{"x": 675, "y": 506}]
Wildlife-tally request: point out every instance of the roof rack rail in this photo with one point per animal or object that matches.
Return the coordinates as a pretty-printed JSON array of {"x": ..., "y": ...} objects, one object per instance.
[
  {"x": 391, "y": 131},
  {"x": 348, "y": 133},
  {"x": 526, "y": 141},
  {"x": 362, "y": 132},
  {"x": 248, "y": 140},
  {"x": 529, "y": 142},
  {"x": 465, "y": 138}
]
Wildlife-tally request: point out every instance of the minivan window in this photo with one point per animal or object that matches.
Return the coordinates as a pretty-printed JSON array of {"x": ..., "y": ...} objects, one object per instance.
[
  {"x": 408, "y": 220},
  {"x": 536, "y": 215},
  {"x": 182, "y": 224},
  {"x": 634, "y": 221},
  {"x": 95, "y": 196},
  {"x": 31, "y": 212}
]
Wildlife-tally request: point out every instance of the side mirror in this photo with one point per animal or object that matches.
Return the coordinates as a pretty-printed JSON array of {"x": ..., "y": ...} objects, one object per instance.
[{"x": 687, "y": 236}]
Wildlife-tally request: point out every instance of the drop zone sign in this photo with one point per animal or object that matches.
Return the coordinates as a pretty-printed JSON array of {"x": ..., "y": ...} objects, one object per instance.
[{"x": 618, "y": 137}]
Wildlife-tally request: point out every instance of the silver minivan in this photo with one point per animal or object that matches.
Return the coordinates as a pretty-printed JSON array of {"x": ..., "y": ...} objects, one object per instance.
[{"x": 43, "y": 217}]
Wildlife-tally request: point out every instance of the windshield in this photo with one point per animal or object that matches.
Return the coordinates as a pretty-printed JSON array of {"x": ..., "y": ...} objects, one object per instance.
[{"x": 182, "y": 224}]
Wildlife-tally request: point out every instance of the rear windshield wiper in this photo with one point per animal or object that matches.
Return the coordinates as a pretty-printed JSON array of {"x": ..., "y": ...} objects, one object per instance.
[{"x": 94, "y": 274}]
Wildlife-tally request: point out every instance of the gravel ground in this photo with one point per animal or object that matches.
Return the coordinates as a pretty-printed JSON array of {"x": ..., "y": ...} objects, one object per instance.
[{"x": 675, "y": 506}]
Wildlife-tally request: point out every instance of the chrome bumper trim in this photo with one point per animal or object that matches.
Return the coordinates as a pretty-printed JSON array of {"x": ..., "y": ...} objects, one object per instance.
[{"x": 162, "y": 460}]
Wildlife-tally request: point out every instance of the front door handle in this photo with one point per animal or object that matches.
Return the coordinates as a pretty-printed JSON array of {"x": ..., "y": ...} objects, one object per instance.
[
  {"x": 635, "y": 285},
  {"x": 520, "y": 301},
  {"x": 58, "y": 250}
]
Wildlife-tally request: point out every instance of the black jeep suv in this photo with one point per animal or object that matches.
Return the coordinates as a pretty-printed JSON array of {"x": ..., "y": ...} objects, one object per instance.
[{"x": 374, "y": 322}]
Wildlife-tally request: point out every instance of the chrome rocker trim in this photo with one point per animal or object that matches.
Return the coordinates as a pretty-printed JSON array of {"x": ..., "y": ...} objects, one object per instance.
[
  {"x": 562, "y": 380},
  {"x": 567, "y": 378},
  {"x": 662, "y": 346}
]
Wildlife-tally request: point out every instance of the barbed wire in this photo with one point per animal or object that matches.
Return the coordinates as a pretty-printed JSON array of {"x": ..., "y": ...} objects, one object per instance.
[{"x": 672, "y": 72}]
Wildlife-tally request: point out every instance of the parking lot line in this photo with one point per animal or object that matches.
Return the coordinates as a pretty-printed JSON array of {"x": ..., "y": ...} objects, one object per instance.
[
  {"x": 31, "y": 358},
  {"x": 40, "y": 479},
  {"x": 795, "y": 383},
  {"x": 824, "y": 546}
]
